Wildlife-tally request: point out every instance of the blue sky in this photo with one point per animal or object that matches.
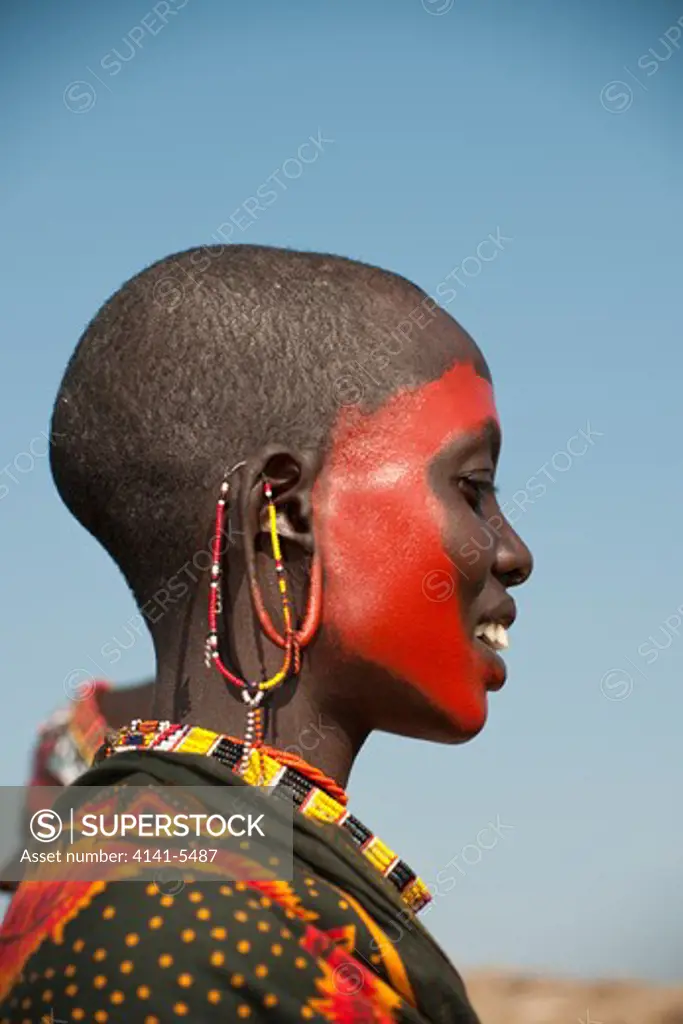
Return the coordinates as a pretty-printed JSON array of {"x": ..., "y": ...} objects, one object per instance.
[{"x": 552, "y": 125}]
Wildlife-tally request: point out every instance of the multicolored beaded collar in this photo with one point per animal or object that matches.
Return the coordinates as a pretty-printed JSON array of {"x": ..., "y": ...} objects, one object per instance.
[{"x": 264, "y": 769}]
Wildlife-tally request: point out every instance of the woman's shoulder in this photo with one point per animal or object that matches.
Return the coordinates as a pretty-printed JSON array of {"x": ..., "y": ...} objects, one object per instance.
[{"x": 214, "y": 950}]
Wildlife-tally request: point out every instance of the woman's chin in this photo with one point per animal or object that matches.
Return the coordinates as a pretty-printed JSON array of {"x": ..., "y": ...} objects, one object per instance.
[{"x": 463, "y": 720}]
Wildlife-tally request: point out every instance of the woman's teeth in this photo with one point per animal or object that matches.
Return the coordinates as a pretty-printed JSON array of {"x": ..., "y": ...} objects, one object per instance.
[{"x": 493, "y": 634}]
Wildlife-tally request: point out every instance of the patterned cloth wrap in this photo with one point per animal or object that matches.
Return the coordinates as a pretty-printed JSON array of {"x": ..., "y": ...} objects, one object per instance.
[{"x": 335, "y": 944}]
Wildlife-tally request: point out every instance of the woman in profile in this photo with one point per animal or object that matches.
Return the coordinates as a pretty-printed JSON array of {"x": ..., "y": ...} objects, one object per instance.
[{"x": 368, "y": 588}]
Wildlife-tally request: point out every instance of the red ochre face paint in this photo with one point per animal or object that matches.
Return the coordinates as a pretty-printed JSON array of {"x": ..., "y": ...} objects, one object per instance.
[{"x": 381, "y": 530}]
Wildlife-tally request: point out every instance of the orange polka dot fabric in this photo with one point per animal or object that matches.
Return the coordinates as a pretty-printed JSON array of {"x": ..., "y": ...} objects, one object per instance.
[{"x": 278, "y": 951}]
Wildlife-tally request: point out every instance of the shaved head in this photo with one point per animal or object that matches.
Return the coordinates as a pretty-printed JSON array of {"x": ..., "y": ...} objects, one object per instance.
[{"x": 210, "y": 354}]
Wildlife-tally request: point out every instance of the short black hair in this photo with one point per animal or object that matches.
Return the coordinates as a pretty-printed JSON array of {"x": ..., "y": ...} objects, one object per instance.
[{"x": 194, "y": 364}]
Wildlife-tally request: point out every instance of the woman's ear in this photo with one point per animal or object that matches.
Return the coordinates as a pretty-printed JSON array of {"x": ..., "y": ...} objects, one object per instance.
[{"x": 291, "y": 474}]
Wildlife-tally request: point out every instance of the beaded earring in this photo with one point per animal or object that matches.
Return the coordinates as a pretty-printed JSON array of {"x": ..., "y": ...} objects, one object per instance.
[
  {"x": 311, "y": 621},
  {"x": 253, "y": 693}
]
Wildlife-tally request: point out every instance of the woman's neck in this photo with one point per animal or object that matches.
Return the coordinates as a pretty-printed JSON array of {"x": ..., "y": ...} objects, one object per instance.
[
  {"x": 296, "y": 721},
  {"x": 309, "y": 715}
]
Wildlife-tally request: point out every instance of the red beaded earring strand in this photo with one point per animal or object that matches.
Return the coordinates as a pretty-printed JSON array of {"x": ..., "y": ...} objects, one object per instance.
[
  {"x": 311, "y": 621},
  {"x": 254, "y": 692}
]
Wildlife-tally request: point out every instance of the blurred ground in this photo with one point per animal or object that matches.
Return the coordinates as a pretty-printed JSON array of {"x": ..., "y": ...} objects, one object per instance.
[{"x": 501, "y": 998}]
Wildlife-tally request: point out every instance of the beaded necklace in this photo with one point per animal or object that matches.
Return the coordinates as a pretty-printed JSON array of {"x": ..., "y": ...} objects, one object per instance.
[{"x": 307, "y": 787}]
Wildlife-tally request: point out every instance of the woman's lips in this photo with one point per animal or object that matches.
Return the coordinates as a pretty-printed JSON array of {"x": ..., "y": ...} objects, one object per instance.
[{"x": 489, "y": 639}]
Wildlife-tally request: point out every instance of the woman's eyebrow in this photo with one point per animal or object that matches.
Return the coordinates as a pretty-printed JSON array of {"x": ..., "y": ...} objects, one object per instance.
[{"x": 486, "y": 434}]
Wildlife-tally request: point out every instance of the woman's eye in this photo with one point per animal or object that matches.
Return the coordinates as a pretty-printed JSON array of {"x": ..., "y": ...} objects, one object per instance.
[{"x": 476, "y": 491}]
